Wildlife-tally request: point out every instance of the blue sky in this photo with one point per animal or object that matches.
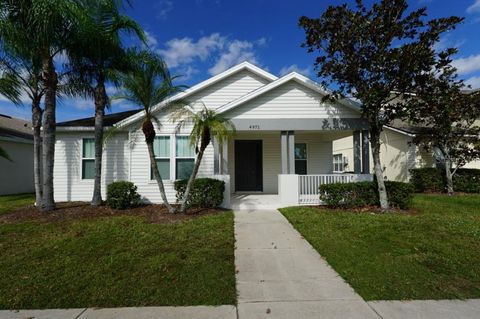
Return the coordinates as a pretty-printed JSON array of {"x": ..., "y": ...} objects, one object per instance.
[{"x": 200, "y": 38}]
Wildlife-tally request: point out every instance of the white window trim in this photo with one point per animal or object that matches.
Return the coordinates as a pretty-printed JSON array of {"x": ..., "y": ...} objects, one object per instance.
[
  {"x": 305, "y": 159},
  {"x": 342, "y": 162},
  {"x": 85, "y": 158},
  {"x": 151, "y": 179},
  {"x": 175, "y": 157}
]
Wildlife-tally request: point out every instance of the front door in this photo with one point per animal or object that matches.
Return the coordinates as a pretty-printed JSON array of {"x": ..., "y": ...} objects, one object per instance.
[{"x": 248, "y": 166}]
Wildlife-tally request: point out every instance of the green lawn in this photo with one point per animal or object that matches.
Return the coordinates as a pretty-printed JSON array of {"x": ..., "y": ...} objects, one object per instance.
[
  {"x": 10, "y": 202},
  {"x": 117, "y": 261},
  {"x": 434, "y": 254}
]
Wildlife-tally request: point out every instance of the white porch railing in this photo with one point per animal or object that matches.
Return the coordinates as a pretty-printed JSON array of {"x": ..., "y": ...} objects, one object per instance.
[{"x": 303, "y": 189}]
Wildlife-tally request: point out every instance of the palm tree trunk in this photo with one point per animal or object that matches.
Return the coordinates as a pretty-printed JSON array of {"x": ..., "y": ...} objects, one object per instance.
[
  {"x": 183, "y": 206},
  {"x": 377, "y": 167},
  {"x": 49, "y": 78},
  {"x": 158, "y": 178},
  {"x": 37, "y": 150},
  {"x": 100, "y": 96}
]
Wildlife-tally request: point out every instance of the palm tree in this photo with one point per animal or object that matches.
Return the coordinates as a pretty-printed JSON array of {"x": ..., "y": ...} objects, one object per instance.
[
  {"x": 207, "y": 125},
  {"x": 38, "y": 30},
  {"x": 102, "y": 54},
  {"x": 149, "y": 84}
]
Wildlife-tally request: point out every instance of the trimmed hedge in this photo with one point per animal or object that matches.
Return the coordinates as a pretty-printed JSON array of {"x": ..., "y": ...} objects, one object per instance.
[
  {"x": 431, "y": 179},
  {"x": 205, "y": 192},
  {"x": 360, "y": 194},
  {"x": 122, "y": 195}
]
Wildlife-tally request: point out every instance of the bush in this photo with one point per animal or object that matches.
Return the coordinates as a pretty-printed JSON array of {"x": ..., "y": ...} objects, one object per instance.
[
  {"x": 205, "y": 192},
  {"x": 365, "y": 194},
  {"x": 122, "y": 195},
  {"x": 433, "y": 180}
]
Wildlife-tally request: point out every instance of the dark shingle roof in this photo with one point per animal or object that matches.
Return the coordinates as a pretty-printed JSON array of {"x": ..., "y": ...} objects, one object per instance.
[
  {"x": 12, "y": 127},
  {"x": 108, "y": 120}
]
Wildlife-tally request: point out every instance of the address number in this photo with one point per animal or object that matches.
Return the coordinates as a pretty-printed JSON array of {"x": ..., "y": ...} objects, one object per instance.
[{"x": 254, "y": 127}]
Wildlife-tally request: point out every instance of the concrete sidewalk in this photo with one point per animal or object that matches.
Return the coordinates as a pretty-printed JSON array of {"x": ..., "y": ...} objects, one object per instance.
[{"x": 279, "y": 275}]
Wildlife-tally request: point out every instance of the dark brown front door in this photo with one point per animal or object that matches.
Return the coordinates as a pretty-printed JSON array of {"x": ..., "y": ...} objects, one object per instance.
[{"x": 248, "y": 166}]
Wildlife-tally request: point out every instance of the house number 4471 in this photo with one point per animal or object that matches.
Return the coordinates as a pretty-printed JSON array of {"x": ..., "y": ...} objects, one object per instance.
[{"x": 254, "y": 127}]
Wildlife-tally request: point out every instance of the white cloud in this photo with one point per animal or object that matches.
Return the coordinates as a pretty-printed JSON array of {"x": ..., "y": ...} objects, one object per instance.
[
  {"x": 475, "y": 7},
  {"x": 237, "y": 52},
  {"x": 467, "y": 65},
  {"x": 186, "y": 50},
  {"x": 295, "y": 68},
  {"x": 474, "y": 82},
  {"x": 447, "y": 42},
  {"x": 152, "y": 42},
  {"x": 163, "y": 7}
]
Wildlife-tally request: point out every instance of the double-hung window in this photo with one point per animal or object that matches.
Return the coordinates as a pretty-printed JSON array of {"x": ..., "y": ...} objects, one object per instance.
[
  {"x": 301, "y": 158},
  {"x": 161, "y": 148},
  {"x": 185, "y": 157},
  {"x": 88, "y": 158},
  {"x": 338, "y": 163}
]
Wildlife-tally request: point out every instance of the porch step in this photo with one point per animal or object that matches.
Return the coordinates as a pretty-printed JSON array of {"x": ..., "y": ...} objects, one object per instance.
[{"x": 255, "y": 201}]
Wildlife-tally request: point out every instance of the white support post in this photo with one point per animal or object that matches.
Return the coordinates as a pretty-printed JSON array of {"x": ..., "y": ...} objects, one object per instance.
[
  {"x": 357, "y": 162},
  {"x": 284, "y": 151},
  {"x": 288, "y": 189},
  {"x": 291, "y": 152},
  {"x": 365, "y": 152}
]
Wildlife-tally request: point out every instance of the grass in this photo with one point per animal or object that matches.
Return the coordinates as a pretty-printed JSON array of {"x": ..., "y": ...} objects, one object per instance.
[
  {"x": 117, "y": 261},
  {"x": 433, "y": 254},
  {"x": 10, "y": 202}
]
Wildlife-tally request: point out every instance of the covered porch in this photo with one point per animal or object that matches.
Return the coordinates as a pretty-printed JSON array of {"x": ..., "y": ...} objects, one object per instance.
[{"x": 272, "y": 169}]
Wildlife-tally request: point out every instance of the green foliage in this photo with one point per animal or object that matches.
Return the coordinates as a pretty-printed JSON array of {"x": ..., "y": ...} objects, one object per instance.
[
  {"x": 431, "y": 179},
  {"x": 365, "y": 194},
  {"x": 431, "y": 254},
  {"x": 205, "y": 192},
  {"x": 122, "y": 195}
]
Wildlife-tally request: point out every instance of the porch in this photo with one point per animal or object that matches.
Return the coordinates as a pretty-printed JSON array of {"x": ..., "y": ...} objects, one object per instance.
[{"x": 272, "y": 169}]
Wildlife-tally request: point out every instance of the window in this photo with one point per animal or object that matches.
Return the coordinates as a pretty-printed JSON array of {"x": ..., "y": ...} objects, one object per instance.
[
  {"x": 88, "y": 158},
  {"x": 185, "y": 157},
  {"x": 339, "y": 163},
  {"x": 300, "y": 158},
  {"x": 161, "y": 149}
]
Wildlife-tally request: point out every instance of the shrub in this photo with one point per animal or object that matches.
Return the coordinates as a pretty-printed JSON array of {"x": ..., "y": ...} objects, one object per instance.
[
  {"x": 365, "y": 194},
  {"x": 428, "y": 179},
  {"x": 205, "y": 192},
  {"x": 433, "y": 180},
  {"x": 122, "y": 195}
]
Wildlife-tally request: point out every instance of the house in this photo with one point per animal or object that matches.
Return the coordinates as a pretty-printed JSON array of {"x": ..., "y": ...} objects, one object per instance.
[
  {"x": 397, "y": 154},
  {"x": 283, "y": 147},
  {"x": 16, "y": 139}
]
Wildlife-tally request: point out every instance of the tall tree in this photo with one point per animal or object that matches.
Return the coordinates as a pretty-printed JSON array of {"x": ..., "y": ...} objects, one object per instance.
[
  {"x": 374, "y": 54},
  {"x": 39, "y": 30},
  {"x": 206, "y": 125},
  {"x": 102, "y": 54},
  {"x": 149, "y": 84},
  {"x": 449, "y": 115}
]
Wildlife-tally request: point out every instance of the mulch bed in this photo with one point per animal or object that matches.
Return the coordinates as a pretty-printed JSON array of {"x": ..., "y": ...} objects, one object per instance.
[{"x": 83, "y": 210}]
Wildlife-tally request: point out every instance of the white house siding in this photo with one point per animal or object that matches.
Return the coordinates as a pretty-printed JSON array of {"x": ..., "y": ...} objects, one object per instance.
[
  {"x": 290, "y": 100},
  {"x": 319, "y": 155},
  {"x": 68, "y": 182},
  {"x": 16, "y": 177},
  {"x": 227, "y": 90}
]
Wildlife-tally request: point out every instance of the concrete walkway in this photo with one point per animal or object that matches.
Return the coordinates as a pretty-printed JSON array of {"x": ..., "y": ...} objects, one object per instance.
[{"x": 279, "y": 275}]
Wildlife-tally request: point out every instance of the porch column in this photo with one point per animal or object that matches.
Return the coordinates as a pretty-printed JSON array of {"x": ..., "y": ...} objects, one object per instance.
[
  {"x": 365, "y": 152},
  {"x": 357, "y": 162},
  {"x": 216, "y": 157},
  {"x": 284, "y": 151},
  {"x": 223, "y": 151},
  {"x": 291, "y": 152}
]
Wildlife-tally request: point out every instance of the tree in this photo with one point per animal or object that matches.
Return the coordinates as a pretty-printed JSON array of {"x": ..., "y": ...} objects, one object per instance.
[
  {"x": 148, "y": 84},
  {"x": 373, "y": 55},
  {"x": 448, "y": 115},
  {"x": 102, "y": 54},
  {"x": 20, "y": 75},
  {"x": 207, "y": 125},
  {"x": 38, "y": 30}
]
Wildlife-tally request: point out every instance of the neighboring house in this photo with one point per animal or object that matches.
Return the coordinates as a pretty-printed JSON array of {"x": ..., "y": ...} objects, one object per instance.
[
  {"x": 397, "y": 153},
  {"x": 283, "y": 144},
  {"x": 16, "y": 139}
]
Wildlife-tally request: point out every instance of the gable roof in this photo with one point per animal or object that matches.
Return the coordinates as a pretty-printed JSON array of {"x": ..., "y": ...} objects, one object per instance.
[
  {"x": 108, "y": 119},
  {"x": 293, "y": 76},
  {"x": 202, "y": 85},
  {"x": 11, "y": 127}
]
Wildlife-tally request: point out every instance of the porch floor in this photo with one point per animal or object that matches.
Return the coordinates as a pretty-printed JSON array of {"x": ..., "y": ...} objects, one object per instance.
[{"x": 241, "y": 201}]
